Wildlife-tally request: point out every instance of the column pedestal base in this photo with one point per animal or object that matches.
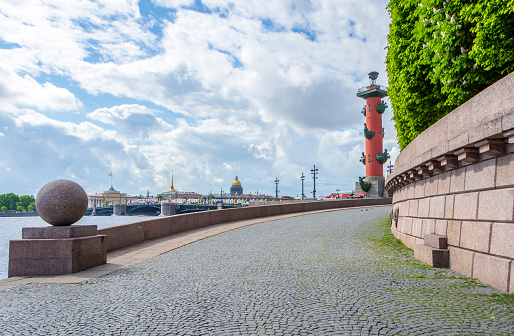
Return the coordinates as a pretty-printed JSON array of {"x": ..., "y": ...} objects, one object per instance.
[
  {"x": 377, "y": 186},
  {"x": 56, "y": 250}
]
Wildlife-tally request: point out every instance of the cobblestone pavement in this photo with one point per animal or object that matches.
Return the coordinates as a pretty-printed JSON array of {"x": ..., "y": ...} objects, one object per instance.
[{"x": 332, "y": 273}]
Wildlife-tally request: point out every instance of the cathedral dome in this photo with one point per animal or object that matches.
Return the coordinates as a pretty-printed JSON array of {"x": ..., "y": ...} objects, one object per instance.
[
  {"x": 236, "y": 182},
  {"x": 236, "y": 189}
]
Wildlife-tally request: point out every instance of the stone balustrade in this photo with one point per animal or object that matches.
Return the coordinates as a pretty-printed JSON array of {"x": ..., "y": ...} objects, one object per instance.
[{"x": 124, "y": 235}]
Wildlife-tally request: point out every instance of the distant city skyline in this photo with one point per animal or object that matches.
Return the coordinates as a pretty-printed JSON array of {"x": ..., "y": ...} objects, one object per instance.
[{"x": 207, "y": 88}]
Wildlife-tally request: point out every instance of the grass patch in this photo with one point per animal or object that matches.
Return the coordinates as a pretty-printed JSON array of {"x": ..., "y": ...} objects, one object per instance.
[
  {"x": 380, "y": 235},
  {"x": 507, "y": 299}
]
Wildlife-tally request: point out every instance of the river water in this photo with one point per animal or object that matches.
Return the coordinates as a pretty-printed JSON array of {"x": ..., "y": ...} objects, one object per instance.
[{"x": 10, "y": 228}]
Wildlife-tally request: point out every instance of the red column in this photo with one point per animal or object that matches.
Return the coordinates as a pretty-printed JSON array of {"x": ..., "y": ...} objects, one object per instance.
[{"x": 375, "y": 144}]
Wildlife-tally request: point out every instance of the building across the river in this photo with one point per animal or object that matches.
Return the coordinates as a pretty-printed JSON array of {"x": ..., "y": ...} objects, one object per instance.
[
  {"x": 109, "y": 197},
  {"x": 173, "y": 194}
]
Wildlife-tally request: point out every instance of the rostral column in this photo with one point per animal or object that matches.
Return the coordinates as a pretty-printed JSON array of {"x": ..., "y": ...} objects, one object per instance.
[{"x": 375, "y": 156}]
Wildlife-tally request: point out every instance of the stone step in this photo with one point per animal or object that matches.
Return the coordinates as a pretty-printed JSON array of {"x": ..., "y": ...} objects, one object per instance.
[
  {"x": 435, "y": 257},
  {"x": 436, "y": 241}
]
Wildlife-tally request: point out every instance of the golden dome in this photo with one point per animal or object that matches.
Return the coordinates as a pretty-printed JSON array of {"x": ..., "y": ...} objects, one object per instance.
[{"x": 236, "y": 182}]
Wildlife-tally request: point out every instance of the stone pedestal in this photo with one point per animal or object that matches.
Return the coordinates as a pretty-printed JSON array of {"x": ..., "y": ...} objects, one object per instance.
[
  {"x": 56, "y": 250},
  {"x": 377, "y": 186},
  {"x": 119, "y": 210},
  {"x": 167, "y": 209}
]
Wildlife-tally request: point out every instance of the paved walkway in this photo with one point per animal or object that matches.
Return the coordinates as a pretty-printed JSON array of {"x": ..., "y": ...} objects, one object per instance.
[{"x": 317, "y": 274}]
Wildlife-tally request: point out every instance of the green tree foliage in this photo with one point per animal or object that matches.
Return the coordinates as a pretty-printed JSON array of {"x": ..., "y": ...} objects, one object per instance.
[
  {"x": 442, "y": 53},
  {"x": 3, "y": 208},
  {"x": 31, "y": 207},
  {"x": 9, "y": 201},
  {"x": 12, "y": 201},
  {"x": 20, "y": 208},
  {"x": 26, "y": 200}
]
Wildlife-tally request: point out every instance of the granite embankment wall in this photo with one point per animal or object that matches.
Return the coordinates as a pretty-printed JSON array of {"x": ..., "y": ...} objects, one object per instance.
[
  {"x": 124, "y": 235},
  {"x": 456, "y": 179}
]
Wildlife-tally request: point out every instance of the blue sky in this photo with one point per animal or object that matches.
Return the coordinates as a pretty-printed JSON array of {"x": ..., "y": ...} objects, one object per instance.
[{"x": 207, "y": 89}]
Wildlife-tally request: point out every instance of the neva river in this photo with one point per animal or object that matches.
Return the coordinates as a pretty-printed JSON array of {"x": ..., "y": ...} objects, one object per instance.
[{"x": 10, "y": 228}]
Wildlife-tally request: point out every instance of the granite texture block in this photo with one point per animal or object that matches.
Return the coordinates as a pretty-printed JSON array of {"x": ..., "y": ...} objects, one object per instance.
[
  {"x": 413, "y": 208},
  {"x": 429, "y": 255},
  {"x": 34, "y": 257},
  {"x": 443, "y": 184},
  {"x": 56, "y": 232},
  {"x": 475, "y": 236},
  {"x": 496, "y": 205},
  {"x": 417, "y": 227},
  {"x": 508, "y": 121},
  {"x": 423, "y": 207},
  {"x": 491, "y": 270},
  {"x": 461, "y": 261},
  {"x": 449, "y": 207},
  {"x": 454, "y": 229},
  {"x": 465, "y": 206},
  {"x": 502, "y": 239},
  {"x": 419, "y": 189},
  {"x": 437, "y": 207},
  {"x": 202, "y": 218},
  {"x": 122, "y": 235},
  {"x": 485, "y": 129},
  {"x": 431, "y": 185},
  {"x": 436, "y": 241},
  {"x": 404, "y": 208},
  {"x": 458, "y": 177},
  {"x": 411, "y": 191},
  {"x": 406, "y": 225},
  {"x": 441, "y": 227},
  {"x": 428, "y": 226},
  {"x": 505, "y": 171},
  {"x": 480, "y": 175},
  {"x": 215, "y": 217}
]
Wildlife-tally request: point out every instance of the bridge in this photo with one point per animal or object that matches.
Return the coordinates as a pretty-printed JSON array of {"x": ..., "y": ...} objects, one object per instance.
[{"x": 154, "y": 209}]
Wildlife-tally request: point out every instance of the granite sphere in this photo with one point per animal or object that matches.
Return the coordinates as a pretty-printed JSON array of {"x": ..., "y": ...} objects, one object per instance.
[{"x": 61, "y": 202}]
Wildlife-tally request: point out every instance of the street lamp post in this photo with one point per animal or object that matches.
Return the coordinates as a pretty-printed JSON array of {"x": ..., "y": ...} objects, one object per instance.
[
  {"x": 303, "y": 178},
  {"x": 390, "y": 168},
  {"x": 276, "y": 188},
  {"x": 314, "y": 172}
]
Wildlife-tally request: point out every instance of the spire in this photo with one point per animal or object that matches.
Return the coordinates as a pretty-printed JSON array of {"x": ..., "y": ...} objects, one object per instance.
[{"x": 172, "y": 188}]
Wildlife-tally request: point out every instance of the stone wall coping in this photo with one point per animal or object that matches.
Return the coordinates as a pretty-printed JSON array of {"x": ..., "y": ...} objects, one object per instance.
[
  {"x": 123, "y": 235},
  {"x": 483, "y": 124}
]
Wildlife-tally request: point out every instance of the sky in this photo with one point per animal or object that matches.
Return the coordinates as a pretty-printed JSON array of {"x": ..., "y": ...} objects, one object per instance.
[{"x": 206, "y": 89}]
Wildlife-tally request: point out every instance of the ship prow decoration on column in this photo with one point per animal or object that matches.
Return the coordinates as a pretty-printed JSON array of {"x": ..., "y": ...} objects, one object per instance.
[{"x": 375, "y": 156}]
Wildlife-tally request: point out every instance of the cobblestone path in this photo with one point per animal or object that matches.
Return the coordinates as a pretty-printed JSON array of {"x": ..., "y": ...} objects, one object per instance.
[{"x": 332, "y": 273}]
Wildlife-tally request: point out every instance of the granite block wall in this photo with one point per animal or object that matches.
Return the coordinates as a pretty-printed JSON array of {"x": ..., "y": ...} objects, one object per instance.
[{"x": 456, "y": 179}]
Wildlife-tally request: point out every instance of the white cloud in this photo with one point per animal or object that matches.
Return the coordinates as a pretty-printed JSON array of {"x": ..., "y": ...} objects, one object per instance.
[
  {"x": 135, "y": 121},
  {"x": 26, "y": 91},
  {"x": 261, "y": 89}
]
